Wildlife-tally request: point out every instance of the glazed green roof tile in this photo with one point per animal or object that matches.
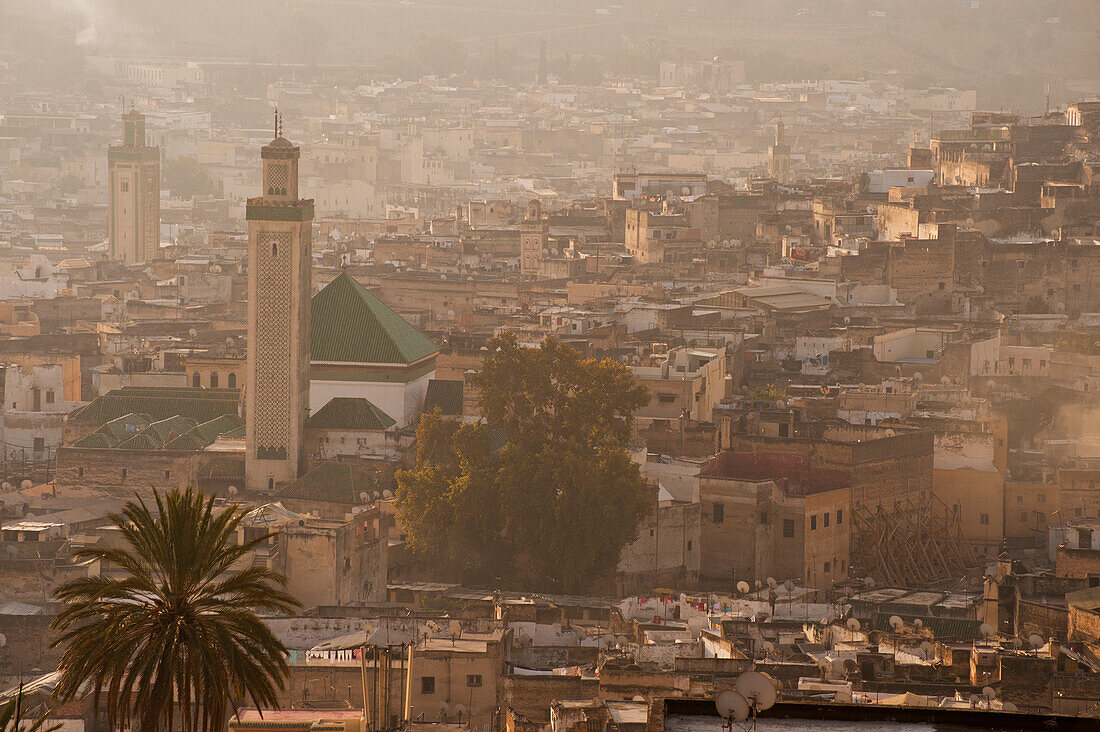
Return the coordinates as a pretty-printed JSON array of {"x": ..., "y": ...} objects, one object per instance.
[
  {"x": 332, "y": 482},
  {"x": 143, "y": 441},
  {"x": 198, "y": 404},
  {"x": 186, "y": 442},
  {"x": 942, "y": 627},
  {"x": 123, "y": 428},
  {"x": 351, "y": 325},
  {"x": 95, "y": 440},
  {"x": 346, "y": 413},
  {"x": 215, "y": 428},
  {"x": 444, "y": 394},
  {"x": 168, "y": 429}
]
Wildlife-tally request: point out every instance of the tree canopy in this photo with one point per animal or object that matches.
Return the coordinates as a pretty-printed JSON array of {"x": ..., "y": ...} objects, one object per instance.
[
  {"x": 176, "y": 620},
  {"x": 542, "y": 492}
]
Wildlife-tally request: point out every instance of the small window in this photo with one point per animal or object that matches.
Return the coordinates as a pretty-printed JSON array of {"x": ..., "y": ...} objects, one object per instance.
[
  {"x": 124, "y": 472},
  {"x": 828, "y": 566},
  {"x": 1023, "y": 516},
  {"x": 813, "y": 523},
  {"x": 49, "y": 396},
  {"x": 80, "y": 472},
  {"x": 839, "y": 516},
  {"x": 472, "y": 680},
  {"x": 763, "y": 517},
  {"x": 984, "y": 518},
  {"x": 214, "y": 380},
  {"x": 825, "y": 520},
  {"x": 1019, "y": 499},
  {"x": 274, "y": 249},
  {"x": 689, "y": 545},
  {"x": 943, "y": 285},
  {"x": 39, "y": 444},
  {"x": 788, "y": 528},
  {"x": 427, "y": 684},
  {"x": 231, "y": 381},
  {"x": 196, "y": 379},
  {"x": 271, "y": 484},
  {"x": 718, "y": 513},
  {"x": 168, "y": 475},
  {"x": 124, "y": 186},
  {"x": 1042, "y": 498}
]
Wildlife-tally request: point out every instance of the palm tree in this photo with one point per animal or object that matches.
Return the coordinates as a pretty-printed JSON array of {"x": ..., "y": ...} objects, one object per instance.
[
  {"x": 13, "y": 715},
  {"x": 179, "y": 624}
]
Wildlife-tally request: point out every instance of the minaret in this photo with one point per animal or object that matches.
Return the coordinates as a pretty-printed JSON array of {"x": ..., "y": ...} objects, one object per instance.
[
  {"x": 779, "y": 156},
  {"x": 534, "y": 235},
  {"x": 279, "y": 249},
  {"x": 133, "y": 213}
]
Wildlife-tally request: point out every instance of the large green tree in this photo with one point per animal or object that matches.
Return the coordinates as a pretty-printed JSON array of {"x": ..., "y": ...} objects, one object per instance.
[
  {"x": 173, "y": 618},
  {"x": 542, "y": 493}
]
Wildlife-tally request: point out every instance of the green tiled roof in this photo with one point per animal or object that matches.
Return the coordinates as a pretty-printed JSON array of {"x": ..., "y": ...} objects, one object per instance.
[
  {"x": 135, "y": 432},
  {"x": 123, "y": 428},
  {"x": 444, "y": 394},
  {"x": 333, "y": 482},
  {"x": 944, "y": 628},
  {"x": 212, "y": 430},
  {"x": 351, "y": 325},
  {"x": 346, "y": 413},
  {"x": 167, "y": 429},
  {"x": 201, "y": 405},
  {"x": 94, "y": 440}
]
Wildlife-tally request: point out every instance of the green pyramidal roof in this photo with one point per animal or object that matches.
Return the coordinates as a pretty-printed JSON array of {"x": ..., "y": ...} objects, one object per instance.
[{"x": 351, "y": 325}]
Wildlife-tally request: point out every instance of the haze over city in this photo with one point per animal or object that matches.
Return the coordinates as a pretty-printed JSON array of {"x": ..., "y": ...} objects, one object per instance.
[{"x": 506, "y": 366}]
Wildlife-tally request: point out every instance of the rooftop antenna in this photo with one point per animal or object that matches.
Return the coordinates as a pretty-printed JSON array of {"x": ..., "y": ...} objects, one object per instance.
[
  {"x": 1046, "y": 91},
  {"x": 278, "y": 123}
]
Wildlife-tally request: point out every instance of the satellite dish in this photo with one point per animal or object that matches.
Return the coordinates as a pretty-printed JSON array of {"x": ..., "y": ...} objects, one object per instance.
[
  {"x": 853, "y": 624},
  {"x": 789, "y": 585},
  {"x": 638, "y": 698},
  {"x": 26, "y": 485},
  {"x": 377, "y": 495},
  {"x": 387, "y": 494},
  {"x": 1008, "y": 707},
  {"x": 843, "y": 697},
  {"x": 3, "y": 640},
  {"x": 1035, "y": 640},
  {"x": 988, "y": 692},
  {"x": 927, "y": 647},
  {"x": 896, "y": 623},
  {"x": 743, "y": 587},
  {"x": 193, "y": 333},
  {"x": 771, "y": 582},
  {"x": 918, "y": 623},
  {"x": 868, "y": 581},
  {"x": 232, "y": 490},
  {"x": 364, "y": 496},
  {"x": 1018, "y": 642},
  {"x": 456, "y": 629},
  {"x": 987, "y": 630},
  {"x": 758, "y": 584},
  {"x": 767, "y": 646},
  {"x": 758, "y": 688},
  {"x": 6, "y": 486},
  {"x": 732, "y": 706}
]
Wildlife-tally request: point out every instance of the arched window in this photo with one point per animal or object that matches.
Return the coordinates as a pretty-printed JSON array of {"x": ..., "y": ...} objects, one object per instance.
[
  {"x": 196, "y": 379},
  {"x": 274, "y": 249},
  {"x": 231, "y": 382},
  {"x": 213, "y": 379}
]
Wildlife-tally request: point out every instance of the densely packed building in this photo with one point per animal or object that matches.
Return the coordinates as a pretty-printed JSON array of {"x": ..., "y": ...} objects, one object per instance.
[{"x": 872, "y": 353}]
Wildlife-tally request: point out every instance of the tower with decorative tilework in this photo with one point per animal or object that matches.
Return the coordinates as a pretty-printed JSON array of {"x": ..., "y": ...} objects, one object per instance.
[{"x": 279, "y": 251}]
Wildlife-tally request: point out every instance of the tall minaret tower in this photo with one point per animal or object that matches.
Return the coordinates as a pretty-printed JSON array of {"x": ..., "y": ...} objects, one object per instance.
[
  {"x": 279, "y": 249},
  {"x": 133, "y": 211},
  {"x": 779, "y": 155}
]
